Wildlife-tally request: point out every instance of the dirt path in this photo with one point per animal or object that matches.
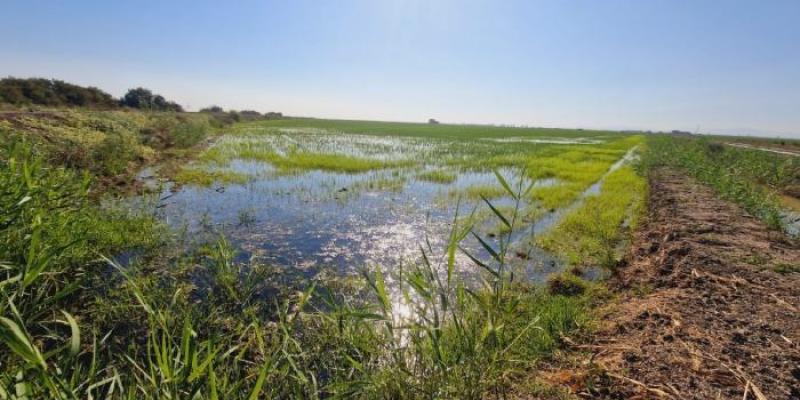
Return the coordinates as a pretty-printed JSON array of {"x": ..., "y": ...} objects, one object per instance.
[{"x": 703, "y": 313}]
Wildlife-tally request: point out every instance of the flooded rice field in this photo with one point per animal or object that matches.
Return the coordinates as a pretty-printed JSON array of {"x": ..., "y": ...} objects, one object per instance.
[{"x": 311, "y": 201}]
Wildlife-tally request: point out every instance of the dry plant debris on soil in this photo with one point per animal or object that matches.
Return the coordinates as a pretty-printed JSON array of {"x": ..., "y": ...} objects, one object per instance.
[{"x": 703, "y": 313}]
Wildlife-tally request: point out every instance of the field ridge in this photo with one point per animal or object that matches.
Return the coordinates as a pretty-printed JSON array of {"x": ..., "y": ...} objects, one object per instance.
[{"x": 707, "y": 309}]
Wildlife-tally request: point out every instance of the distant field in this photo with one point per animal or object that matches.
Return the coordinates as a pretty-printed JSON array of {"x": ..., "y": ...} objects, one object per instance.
[{"x": 430, "y": 130}]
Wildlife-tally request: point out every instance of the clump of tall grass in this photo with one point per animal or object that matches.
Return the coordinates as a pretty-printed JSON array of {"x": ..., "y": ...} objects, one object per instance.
[
  {"x": 206, "y": 177},
  {"x": 50, "y": 236},
  {"x": 479, "y": 191},
  {"x": 437, "y": 176}
]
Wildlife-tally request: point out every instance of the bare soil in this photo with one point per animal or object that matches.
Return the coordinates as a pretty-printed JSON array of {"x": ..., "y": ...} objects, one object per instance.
[{"x": 704, "y": 312}]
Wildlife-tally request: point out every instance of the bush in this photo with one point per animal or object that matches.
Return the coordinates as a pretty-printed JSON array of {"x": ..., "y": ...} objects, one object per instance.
[
  {"x": 53, "y": 93},
  {"x": 143, "y": 99}
]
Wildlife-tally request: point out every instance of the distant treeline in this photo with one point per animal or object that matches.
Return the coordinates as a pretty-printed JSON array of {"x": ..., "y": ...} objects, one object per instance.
[
  {"x": 244, "y": 115},
  {"x": 53, "y": 93},
  {"x": 59, "y": 94}
]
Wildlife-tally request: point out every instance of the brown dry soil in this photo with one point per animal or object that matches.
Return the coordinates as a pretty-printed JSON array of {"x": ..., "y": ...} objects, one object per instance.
[{"x": 704, "y": 312}]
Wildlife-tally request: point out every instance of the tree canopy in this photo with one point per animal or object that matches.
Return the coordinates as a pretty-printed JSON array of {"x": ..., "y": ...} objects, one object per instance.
[
  {"x": 144, "y": 99},
  {"x": 53, "y": 93}
]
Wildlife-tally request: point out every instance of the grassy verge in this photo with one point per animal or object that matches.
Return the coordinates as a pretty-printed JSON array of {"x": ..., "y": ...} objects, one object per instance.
[
  {"x": 738, "y": 175},
  {"x": 111, "y": 145}
]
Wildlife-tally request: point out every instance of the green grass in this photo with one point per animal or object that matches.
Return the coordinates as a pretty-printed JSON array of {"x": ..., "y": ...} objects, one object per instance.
[
  {"x": 592, "y": 233},
  {"x": 108, "y": 144},
  {"x": 437, "y": 176},
  {"x": 381, "y": 128},
  {"x": 476, "y": 192},
  {"x": 738, "y": 175},
  {"x": 293, "y": 160},
  {"x": 202, "y": 177}
]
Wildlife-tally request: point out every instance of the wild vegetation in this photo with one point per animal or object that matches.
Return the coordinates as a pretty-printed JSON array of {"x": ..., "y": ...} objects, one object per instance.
[
  {"x": 53, "y": 93},
  {"x": 751, "y": 178},
  {"x": 144, "y": 99},
  {"x": 111, "y": 145},
  {"x": 59, "y": 94}
]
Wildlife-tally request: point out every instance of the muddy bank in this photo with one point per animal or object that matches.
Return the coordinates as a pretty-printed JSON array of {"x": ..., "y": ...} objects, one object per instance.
[{"x": 709, "y": 307}]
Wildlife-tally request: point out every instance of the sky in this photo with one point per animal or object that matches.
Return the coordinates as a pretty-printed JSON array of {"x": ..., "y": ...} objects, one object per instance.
[{"x": 698, "y": 65}]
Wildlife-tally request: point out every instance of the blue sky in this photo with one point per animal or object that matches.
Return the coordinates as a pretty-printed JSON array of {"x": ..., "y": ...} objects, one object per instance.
[{"x": 723, "y": 66}]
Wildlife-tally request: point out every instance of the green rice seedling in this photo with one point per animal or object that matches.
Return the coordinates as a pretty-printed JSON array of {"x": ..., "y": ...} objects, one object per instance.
[
  {"x": 437, "y": 176},
  {"x": 476, "y": 192},
  {"x": 593, "y": 232},
  {"x": 381, "y": 183},
  {"x": 284, "y": 154},
  {"x": 202, "y": 177},
  {"x": 557, "y": 196},
  {"x": 427, "y": 130}
]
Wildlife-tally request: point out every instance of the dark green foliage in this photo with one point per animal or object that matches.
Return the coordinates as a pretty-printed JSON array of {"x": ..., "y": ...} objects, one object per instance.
[
  {"x": 144, "y": 99},
  {"x": 244, "y": 115},
  {"x": 53, "y": 93},
  {"x": 212, "y": 110}
]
